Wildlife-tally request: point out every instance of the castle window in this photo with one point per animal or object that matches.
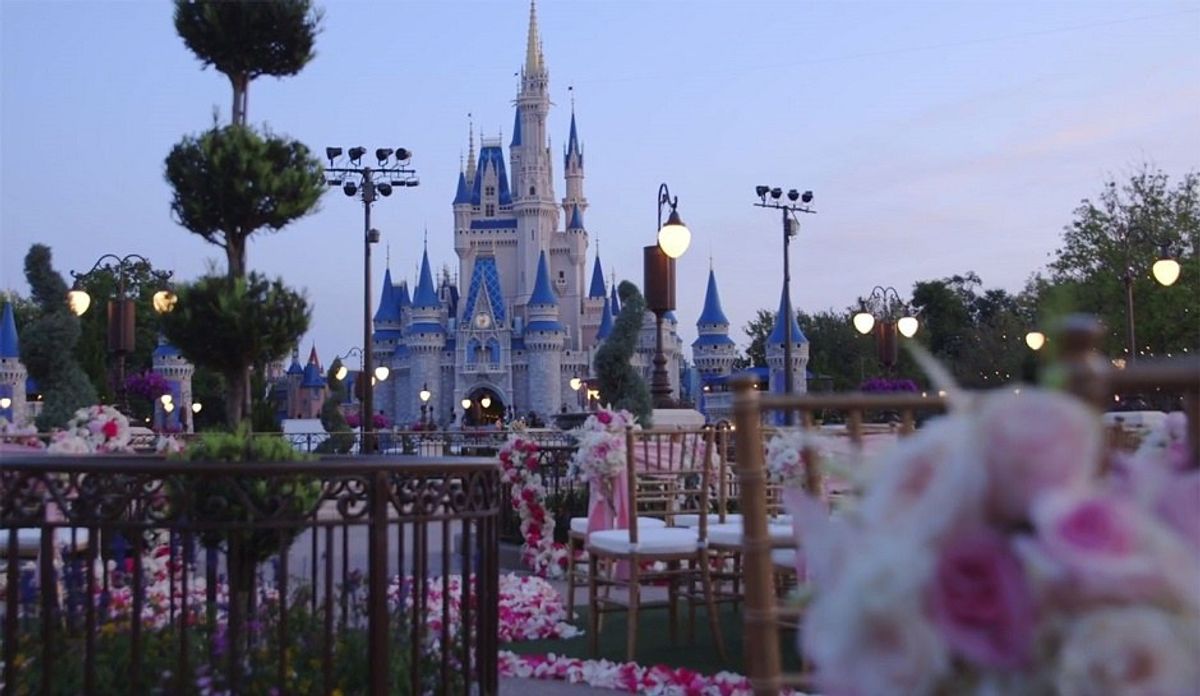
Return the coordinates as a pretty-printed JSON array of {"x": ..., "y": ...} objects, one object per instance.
[
  {"x": 561, "y": 275},
  {"x": 490, "y": 211},
  {"x": 489, "y": 190},
  {"x": 532, "y": 191}
]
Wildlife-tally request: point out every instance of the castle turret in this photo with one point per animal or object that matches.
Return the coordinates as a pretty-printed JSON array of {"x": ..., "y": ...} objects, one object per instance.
[
  {"x": 425, "y": 338},
  {"x": 544, "y": 344},
  {"x": 606, "y": 322},
  {"x": 775, "y": 352},
  {"x": 713, "y": 351},
  {"x": 168, "y": 361},
  {"x": 573, "y": 171},
  {"x": 12, "y": 372},
  {"x": 594, "y": 306},
  {"x": 313, "y": 388}
]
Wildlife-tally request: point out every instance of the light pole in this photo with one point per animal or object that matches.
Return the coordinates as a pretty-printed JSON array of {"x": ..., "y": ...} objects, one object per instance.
[
  {"x": 1165, "y": 271},
  {"x": 576, "y": 384},
  {"x": 363, "y": 385},
  {"x": 659, "y": 269},
  {"x": 368, "y": 183},
  {"x": 425, "y": 395},
  {"x": 791, "y": 226},
  {"x": 122, "y": 312},
  {"x": 886, "y": 313}
]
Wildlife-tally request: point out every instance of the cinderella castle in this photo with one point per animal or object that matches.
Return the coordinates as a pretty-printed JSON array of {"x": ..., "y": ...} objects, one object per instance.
[{"x": 530, "y": 320}]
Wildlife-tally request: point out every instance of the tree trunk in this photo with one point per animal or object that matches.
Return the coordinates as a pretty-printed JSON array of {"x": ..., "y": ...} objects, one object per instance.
[
  {"x": 241, "y": 86},
  {"x": 237, "y": 389},
  {"x": 235, "y": 255}
]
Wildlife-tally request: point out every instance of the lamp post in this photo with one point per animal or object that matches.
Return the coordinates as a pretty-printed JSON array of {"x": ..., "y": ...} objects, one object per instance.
[
  {"x": 122, "y": 312},
  {"x": 363, "y": 385},
  {"x": 368, "y": 183},
  {"x": 791, "y": 226},
  {"x": 659, "y": 268},
  {"x": 887, "y": 314},
  {"x": 425, "y": 395},
  {"x": 1165, "y": 271}
]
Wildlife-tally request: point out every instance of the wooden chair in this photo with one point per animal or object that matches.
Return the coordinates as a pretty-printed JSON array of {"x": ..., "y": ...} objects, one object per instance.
[
  {"x": 1086, "y": 374},
  {"x": 669, "y": 473}
]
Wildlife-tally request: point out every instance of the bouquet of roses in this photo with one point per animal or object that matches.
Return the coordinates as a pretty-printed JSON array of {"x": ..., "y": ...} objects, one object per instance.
[
  {"x": 93, "y": 429},
  {"x": 788, "y": 452},
  {"x": 601, "y": 454},
  {"x": 989, "y": 555}
]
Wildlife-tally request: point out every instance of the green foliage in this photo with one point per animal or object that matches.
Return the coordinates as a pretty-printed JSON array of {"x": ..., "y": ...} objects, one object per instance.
[
  {"x": 619, "y": 383},
  {"x": 228, "y": 325},
  {"x": 244, "y": 39},
  {"x": 839, "y": 357},
  {"x": 208, "y": 389},
  {"x": 48, "y": 342},
  {"x": 341, "y": 438},
  {"x": 25, "y": 310},
  {"x": 757, "y": 331},
  {"x": 231, "y": 182}
]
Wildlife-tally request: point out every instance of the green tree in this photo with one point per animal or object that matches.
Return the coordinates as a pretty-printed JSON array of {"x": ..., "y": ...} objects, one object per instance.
[
  {"x": 836, "y": 352},
  {"x": 244, "y": 39},
  {"x": 619, "y": 383},
  {"x": 227, "y": 326},
  {"x": 1122, "y": 229},
  {"x": 757, "y": 331},
  {"x": 48, "y": 342},
  {"x": 341, "y": 437}
]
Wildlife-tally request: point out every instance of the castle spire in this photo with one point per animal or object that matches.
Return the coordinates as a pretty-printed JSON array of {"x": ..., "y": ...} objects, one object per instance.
[
  {"x": 533, "y": 44},
  {"x": 597, "y": 287},
  {"x": 9, "y": 345},
  {"x": 470, "y": 149},
  {"x": 712, "y": 315},
  {"x": 426, "y": 294}
]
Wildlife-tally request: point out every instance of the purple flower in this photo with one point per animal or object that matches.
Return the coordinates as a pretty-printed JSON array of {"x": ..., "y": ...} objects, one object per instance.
[
  {"x": 883, "y": 384},
  {"x": 148, "y": 384}
]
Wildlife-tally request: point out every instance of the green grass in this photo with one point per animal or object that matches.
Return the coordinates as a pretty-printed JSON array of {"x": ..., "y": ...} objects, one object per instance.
[{"x": 654, "y": 645}]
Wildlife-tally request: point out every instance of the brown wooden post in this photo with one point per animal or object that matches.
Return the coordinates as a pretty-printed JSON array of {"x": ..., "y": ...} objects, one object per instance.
[{"x": 1085, "y": 370}]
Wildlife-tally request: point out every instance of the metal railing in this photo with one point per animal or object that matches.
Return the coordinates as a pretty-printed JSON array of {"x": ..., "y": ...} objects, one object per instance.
[{"x": 127, "y": 574}]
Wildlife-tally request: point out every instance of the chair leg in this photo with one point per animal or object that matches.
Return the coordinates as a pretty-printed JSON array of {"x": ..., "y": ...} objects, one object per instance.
[
  {"x": 593, "y": 607},
  {"x": 714, "y": 624},
  {"x": 635, "y": 599},
  {"x": 673, "y": 599},
  {"x": 571, "y": 577}
]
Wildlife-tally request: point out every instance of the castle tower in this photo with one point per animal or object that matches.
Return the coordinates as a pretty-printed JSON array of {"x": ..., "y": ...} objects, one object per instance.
[
  {"x": 12, "y": 371},
  {"x": 713, "y": 351},
  {"x": 425, "y": 340},
  {"x": 594, "y": 305},
  {"x": 775, "y": 351},
  {"x": 313, "y": 388},
  {"x": 605, "y": 329},
  {"x": 544, "y": 345},
  {"x": 573, "y": 171},
  {"x": 169, "y": 362},
  {"x": 387, "y": 336}
]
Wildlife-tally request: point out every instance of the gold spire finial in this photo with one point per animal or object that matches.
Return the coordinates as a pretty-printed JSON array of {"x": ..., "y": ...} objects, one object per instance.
[
  {"x": 533, "y": 45},
  {"x": 470, "y": 148}
]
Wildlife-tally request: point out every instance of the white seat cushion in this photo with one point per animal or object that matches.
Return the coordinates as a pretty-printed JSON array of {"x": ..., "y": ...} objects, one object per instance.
[
  {"x": 780, "y": 519},
  {"x": 579, "y": 525},
  {"x": 650, "y": 541},
  {"x": 730, "y": 533},
  {"x": 694, "y": 520}
]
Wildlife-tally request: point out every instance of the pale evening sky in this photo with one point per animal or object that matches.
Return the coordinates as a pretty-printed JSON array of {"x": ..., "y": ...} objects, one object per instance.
[{"x": 938, "y": 137}]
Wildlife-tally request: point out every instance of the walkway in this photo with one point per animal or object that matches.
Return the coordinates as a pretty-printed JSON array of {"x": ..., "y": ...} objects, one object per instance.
[{"x": 542, "y": 687}]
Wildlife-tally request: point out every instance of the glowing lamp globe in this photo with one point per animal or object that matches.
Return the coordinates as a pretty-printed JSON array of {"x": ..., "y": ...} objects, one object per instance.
[
  {"x": 908, "y": 326},
  {"x": 196, "y": 407},
  {"x": 864, "y": 322},
  {"x": 485, "y": 401},
  {"x": 382, "y": 372},
  {"x": 78, "y": 302},
  {"x": 1035, "y": 340},
  {"x": 166, "y": 399},
  {"x": 168, "y": 407},
  {"x": 674, "y": 237},
  {"x": 5, "y": 402},
  {"x": 1166, "y": 271},
  {"x": 465, "y": 403},
  {"x": 341, "y": 373},
  {"x": 164, "y": 301},
  {"x": 425, "y": 395},
  {"x": 576, "y": 383}
]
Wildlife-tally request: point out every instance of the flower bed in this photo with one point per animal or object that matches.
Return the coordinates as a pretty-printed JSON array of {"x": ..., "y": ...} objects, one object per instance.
[{"x": 628, "y": 677}]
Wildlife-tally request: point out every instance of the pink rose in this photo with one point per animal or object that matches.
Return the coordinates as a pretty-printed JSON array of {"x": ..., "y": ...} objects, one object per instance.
[
  {"x": 1178, "y": 506},
  {"x": 1033, "y": 443},
  {"x": 604, "y": 417},
  {"x": 981, "y": 602}
]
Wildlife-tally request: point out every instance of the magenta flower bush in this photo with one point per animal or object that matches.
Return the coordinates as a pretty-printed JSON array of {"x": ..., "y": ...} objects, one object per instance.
[
  {"x": 877, "y": 385},
  {"x": 147, "y": 384}
]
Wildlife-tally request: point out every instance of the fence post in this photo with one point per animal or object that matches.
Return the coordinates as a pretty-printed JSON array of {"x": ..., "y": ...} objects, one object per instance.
[
  {"x": 1086, "y": 372},
  {"x": 377, "y": 566}
]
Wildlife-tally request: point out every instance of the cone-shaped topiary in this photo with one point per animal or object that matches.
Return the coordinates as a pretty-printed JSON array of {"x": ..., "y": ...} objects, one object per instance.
[{"x": 620, "y": 384}]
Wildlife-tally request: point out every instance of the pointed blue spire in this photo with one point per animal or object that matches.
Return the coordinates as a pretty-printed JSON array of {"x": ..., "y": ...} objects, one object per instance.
[
  {"x": 712, "y": 313},
  {"x": 606, "y": 322},
  {"x": 542, "y": 294},
  {"x": 387, "y": 311},
  {"x": 294, "y": 368},
  {"x": 10, "y": 347},
  {"x": 165, "y": 349},
  {"x": 426, "y": 294},
  {"x": 402, "y": 299},
  {"x": 615, "y": 302},
  {"x": 576, "y": 220},
  {"x": 573, "y": 141},
  {"x": 516, "y": 139},
  {"x": 597, "y": 287},
  {"x": 464, "y": 194},
  {"x": 776, "y": 337}
]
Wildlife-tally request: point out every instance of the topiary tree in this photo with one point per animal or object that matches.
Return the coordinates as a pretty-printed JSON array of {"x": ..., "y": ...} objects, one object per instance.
[
  {"x": 341, "y": 438},
  {"x": 48, "y": 344},
  {"x": 227, "y": 325},
  {"x": 620, "y": 384},
  {"x": 244, "y": 39}
]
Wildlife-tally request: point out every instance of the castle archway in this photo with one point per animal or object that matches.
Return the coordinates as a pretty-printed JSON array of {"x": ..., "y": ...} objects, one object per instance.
[{"x": 487, "y": 406}]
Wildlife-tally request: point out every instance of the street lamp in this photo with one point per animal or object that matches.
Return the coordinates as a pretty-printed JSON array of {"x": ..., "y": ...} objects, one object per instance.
[
  {"x": 791, "y": 227},
  {"x": 368, "y": 183},
  {"x": 1035, "y": 340},
  {"x": 122, "y": 312},
  {"x": 885, "y": 313},
  {"x": 673, "y": 239},
  {"x": 425, "y": 395},
  {"x": 1165, "y": 271}
]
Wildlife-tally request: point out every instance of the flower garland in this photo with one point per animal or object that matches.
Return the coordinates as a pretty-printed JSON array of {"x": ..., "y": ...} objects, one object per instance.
[
  {"x": 629, "y": 677},
  {"x": 600, "y": 456},
  {"x": 93, "y": 429},
  {"x": 518, "y": 464}
]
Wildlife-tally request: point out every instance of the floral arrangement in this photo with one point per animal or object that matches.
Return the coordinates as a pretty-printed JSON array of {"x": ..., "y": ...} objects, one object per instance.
[
  {"x": 19, "y": 437},
  {"x": 601, "y": 456},
  {"x": 989, "y": 555},
  {"x": 378, "y": 422},
  {"x": 628, "y": 677},
  {"x": 147, "y": 384},
  {"x": 787, "y": 454},
  {"x": 95, "y": 429},
  {"x": 884, "y": 384},
  {"x": 518, "y": 468}
]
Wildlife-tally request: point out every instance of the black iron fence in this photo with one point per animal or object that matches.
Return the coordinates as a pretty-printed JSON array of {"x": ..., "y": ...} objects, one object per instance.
[
  {"x": 566, "y": 497},
  {"x": 138, "y": 575}
]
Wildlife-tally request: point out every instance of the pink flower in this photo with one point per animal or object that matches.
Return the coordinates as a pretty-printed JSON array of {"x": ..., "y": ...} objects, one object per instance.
[
  {"x": 604, "y": 416},
  {"x": 110, "y": 429},
  {"x": 1033, "y": 443},
  {"x": 1178, "y": 506},
  {"x": 1128, "y": 650},
  {"x": 981, "y": 602}
]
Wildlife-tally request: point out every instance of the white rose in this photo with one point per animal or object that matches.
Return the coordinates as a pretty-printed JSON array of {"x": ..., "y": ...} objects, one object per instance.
[{"x": 1129, "y": 650}]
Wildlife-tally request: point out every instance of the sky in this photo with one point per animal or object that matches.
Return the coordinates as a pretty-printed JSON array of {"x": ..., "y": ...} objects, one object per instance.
[{"x": 937, "y": 137}]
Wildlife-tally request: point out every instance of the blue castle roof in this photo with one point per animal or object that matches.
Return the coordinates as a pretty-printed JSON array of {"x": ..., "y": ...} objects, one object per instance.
[
  {"x": 389, "y": 310},
  {"x": 712, "y": 313},
  {"x": 576, "y": 220},
  {"x": 402, "y": 299},
  {"x": 463, "y": 194},
  {"x": 10, "y": 346},
  {"x": 615, "y": 301},
  {"x": 542, "y": 294},
  {"x": 573, "y": 143},
  {"x": 312, "y": 376},
  {"x": 670, "y": 316},
  {"x": 491, "y": 157},
  {"x": 712, "y": 340},
  {"x": 597, "y": 288},
  {"x": 426, "y": 294},
  {"x": 295, "y": 368},
  {"x": 776, "y": 337},
  {"x": 606, "y": 322},
  {"x": 485, "y": 278},
  {"x": 516, "y": 139},
  {"x": 166, "y": 350}
]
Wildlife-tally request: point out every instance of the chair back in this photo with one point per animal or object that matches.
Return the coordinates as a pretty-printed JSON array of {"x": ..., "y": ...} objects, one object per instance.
[{"x": 669, "y": 473}]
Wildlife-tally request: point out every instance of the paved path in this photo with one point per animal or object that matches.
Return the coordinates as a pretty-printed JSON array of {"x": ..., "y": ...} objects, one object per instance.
[{"x": 541, "y": 687}]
